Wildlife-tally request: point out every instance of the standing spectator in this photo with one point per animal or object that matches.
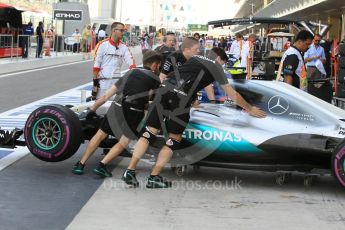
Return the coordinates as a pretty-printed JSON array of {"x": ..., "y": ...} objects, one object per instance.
[
  {"x": 101, "y": 35},
  {"x": 27, "y": 32},
  {"x": 222, "y": 43},
  {"x": 236, "y": 46},
  {"x": 228, "y": 43},
  {"x": 196, "y": 36},
  {"x": 86, "y": 39},
  {"x": 109, "y": 57},
  {"x": 292, "y": 69},
  {"x": 145, "y": 43},
  {"x": 93, "y": 38},
  {"x": 49, "y": 40},
  {"x": 315, "y": 58},
  {"x": 39, "y": 34},
  {"x": 327, "y": 45},
  {"x": 247, "y": 54},
  {"x": 76, "y": 36}
]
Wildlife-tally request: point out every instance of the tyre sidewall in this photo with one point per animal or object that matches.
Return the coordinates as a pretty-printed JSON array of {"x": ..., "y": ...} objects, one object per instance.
[
  {"x": 68, "y": 137},
  {"x": 337, "y": 163}
]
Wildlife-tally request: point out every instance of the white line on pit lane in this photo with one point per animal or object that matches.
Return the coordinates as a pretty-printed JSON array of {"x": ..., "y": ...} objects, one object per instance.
[
  {"x": 23, "y": 151},
  {"x": 43, "y": 68},
  {"x": 19, "y": 153}
]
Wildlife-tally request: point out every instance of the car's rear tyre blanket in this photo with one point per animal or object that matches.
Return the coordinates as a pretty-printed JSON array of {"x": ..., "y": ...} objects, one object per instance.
[
  {"x": 53, "y": 133},
  {"x": 338, "y": 164}
]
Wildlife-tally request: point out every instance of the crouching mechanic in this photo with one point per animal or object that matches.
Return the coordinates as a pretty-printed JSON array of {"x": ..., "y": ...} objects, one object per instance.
[
  {"x": 135, "y": 88},
  {"x": 173, "y": 102},
  {"x": 109, "y": 57}
]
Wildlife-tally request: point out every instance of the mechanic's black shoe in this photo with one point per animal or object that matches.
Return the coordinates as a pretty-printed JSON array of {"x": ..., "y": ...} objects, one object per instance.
[
  {"x": 78, "y": 168},
  {"x": 130, "y": 178},
  {"x": 157, "y": 182},
  {"x": 102, "y": 171}
]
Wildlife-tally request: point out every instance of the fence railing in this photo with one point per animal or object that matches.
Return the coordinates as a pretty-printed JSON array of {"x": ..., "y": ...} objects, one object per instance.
[
  {"x": 29, "y": 46},
  {"x": 6, "y": 41}
]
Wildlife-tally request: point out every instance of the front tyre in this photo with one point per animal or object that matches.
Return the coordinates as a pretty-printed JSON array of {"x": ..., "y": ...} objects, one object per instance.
[
  {"x": 53, "y": 133},
  {"x": 338, "y": 163}
]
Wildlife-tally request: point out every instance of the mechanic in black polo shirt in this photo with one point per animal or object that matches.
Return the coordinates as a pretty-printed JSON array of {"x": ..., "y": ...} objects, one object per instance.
[
  {"x": 173, "y": 102},
  {"x": 292, "y": 68},
  {"x": 133, "y": 92},
  {"x": 189, "y": 47},
  {"x": 168, "y": 46}
]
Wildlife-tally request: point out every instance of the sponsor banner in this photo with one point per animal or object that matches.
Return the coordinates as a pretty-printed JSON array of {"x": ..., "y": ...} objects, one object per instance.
[{"x": 68, "y": 15}]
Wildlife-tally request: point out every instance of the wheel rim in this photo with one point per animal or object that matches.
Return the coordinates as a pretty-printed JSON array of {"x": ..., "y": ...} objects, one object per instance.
[{"x": 46, "y": 133}]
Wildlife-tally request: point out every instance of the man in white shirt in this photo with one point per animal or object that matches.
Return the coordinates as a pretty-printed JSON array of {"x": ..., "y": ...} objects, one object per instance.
[
  {"x": 76, "y": 36},
  {"x": 101, "y": 35},
  {"x": 315, "y": 58},
  {"x": 236, "y": 46}
]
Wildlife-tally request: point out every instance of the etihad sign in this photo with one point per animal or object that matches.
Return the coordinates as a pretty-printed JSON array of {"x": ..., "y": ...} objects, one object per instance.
[{"x": 74, "y": 15}]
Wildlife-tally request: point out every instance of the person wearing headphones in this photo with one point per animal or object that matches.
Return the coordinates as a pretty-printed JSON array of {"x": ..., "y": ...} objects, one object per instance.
[
  {"x": 167, "y": 47},
  {"x": 110, "y": 54}
]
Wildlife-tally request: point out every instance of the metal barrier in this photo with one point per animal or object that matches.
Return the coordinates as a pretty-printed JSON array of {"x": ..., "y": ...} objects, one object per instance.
[
  {"x": 53, "y": 45},
  {"x": 6, "y": 41},
  {"x": 25, "y": 44}
]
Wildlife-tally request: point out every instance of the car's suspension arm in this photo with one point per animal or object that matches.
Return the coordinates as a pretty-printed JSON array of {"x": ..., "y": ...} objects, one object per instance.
[{"x": 9, "y": 139}]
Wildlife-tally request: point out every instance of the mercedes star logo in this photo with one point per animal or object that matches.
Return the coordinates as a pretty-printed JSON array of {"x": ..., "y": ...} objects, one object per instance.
[{"x": 278, "y": 105}]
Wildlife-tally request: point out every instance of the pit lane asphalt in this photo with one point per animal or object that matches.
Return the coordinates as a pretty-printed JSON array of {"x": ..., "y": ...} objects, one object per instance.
[
  {"x": 36, "y": 194},
  {"x": 40, "y": 195},
  {"x": 23, "y": 88}
]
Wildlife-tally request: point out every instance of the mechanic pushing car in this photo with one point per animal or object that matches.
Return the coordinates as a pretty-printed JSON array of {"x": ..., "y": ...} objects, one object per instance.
[
  {"x": 189, "y": 47},
  {"x": 133, "y": 91},
  {"x": 173, "y": 102},
  {"x": 109, "y": 57},
  {"x": 292, "y": 69}
]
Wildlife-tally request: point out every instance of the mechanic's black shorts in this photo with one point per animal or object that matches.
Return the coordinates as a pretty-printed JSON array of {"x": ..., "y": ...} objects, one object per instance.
[
  {"x": 169, "y": 107},
  {"x": 104, "y": 126},
  {"x": 126, "y": 121}
]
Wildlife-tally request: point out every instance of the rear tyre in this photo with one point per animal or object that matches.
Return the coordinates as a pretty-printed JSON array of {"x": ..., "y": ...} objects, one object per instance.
[
  {"x": 53, "y": 133},
  {"x": 338, "y": 164}
]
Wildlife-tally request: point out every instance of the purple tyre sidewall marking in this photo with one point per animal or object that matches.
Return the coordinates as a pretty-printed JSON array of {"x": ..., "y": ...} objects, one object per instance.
[
  {"x": 337, "y": 161},
  {"x": 57, "y": 115}
]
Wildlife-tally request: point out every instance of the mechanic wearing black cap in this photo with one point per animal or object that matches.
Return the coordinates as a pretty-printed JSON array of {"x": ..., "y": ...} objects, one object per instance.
[
  {"x": 133, "y": 91},
  {"x": 174, "y": 100}
]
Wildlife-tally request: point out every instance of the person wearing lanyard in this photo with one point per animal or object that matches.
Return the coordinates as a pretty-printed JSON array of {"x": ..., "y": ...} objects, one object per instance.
[
  {"x": 314, "y": 58},
  {"x": 292, "y": 68}
]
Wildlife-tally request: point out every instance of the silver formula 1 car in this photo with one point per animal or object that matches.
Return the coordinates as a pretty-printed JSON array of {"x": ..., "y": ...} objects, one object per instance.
[{"x": 300, "y": 133}]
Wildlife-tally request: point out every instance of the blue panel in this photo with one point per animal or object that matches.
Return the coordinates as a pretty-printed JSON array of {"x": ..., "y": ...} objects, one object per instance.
[{"x": 4, "y": 153}]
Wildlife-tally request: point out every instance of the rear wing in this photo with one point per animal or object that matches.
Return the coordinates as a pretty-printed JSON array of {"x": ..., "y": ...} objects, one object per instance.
[{"x": 307, "y": 25}]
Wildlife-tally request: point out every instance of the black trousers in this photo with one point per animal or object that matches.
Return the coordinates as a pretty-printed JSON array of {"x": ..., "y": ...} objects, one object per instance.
[
  {"x": 39, "y": 46},
  {"x": 25, "y": 46}
]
